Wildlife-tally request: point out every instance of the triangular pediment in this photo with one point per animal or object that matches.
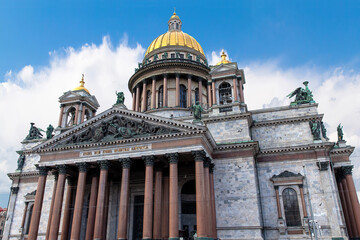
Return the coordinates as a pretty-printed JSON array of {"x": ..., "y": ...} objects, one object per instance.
[
  {"x": 232, "y": 67},
  {"x": 116, "y": 125}
]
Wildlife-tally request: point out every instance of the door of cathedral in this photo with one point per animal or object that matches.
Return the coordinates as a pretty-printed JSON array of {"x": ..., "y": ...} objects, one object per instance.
[
  {"x": 188, "y": 210},
  {"x": 138, "y": 217}
]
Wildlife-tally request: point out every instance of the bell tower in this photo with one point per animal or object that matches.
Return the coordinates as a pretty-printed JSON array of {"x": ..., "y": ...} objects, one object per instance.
[{"x": 76, "y": 106}]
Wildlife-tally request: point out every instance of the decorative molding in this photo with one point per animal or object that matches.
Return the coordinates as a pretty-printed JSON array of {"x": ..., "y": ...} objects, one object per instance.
[
  {"x": 83, "y": 166},
  {"x": 104, "y": 164},
  {"x": 323, "y": 166},
  {"x": 126, "y": 162},
  {"x": 287, "y": 174},
  {"x": 14, "y": 190},
  {"x": 149, "y": 160},
  {"x": 319, "y": 146},
  {"x": 287, "y": 120},
  {"x": 347, "y": 170},
  {"x": 211, "y": 168},
  {"x": 62, "y": 169},
  {"x": 42, "y": 171},
  {"x": 184, "y": 129},
  {"x": 172, "y": 157},
  {"x": 199, "y": 156}
]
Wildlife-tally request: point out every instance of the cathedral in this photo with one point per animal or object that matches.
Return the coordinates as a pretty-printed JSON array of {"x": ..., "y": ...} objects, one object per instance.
[{"x": 187, "y": 160}]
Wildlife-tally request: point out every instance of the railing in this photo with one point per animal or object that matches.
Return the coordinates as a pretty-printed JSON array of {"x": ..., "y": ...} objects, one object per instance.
[{"x": 170, "y": 60}]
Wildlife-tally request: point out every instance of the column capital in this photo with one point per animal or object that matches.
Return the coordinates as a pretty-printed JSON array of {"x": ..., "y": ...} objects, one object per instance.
[
  {"x": 199, "y": 155},
  {"x": 301, "y": 186},
  {"x": 149, "y": 160},
  {"x": 177, "y": 75},
  {"x": 42, "y": 171},
  {"x": 323, "y": 166},
  {"x": 125, "y": 162},
  {"x": 56, "y": 175},
  {"x": 212, "y": 166},
  {"x": 276, "y": 187},
  {"x": 172, "y": 157},
  {"x": 62, "y": 168},
  {"x": 83, "y": 167},
  {"x": 165, "y": 75},
  {"x": 347, "y": 170},
  {"x": 14, "y": 190},
  {"x": 189, "y": 76},
  {"x": 104, "y": 164},
  {"x": 153, "y": 77},
  {"x": 207, "y": 163},
  {"x": 70, "y": 180}
]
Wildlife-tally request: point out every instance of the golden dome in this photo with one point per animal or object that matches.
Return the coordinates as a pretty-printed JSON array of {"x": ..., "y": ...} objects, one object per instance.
[
  {"x": 174, "y": 37},
  {"x": 223, "y": 59},
  {"x": 81, "y": 87}
]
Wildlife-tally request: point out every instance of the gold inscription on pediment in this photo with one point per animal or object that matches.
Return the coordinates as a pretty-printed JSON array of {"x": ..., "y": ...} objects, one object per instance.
[{"x": 115, "y": 150}]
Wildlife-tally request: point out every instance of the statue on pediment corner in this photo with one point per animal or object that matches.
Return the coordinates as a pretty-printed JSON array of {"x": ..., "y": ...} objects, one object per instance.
[
  {"x": 302, "y": 95},
  {"x": 34, "y": 133},
  {"x": 49, "y": 131}
]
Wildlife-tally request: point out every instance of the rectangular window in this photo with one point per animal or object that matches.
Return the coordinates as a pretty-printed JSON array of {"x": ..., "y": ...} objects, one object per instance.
[
  {"x": 181, "y": 56},
  {"x": 173, "y": 55}
]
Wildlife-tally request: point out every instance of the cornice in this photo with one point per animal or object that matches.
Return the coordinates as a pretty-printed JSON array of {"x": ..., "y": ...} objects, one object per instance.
[
  {"x": 283, "y": 108},
  {"x": 296, "y": 149},
  {"x": 348, "y": 150},
  {"x": 241, "y": 145},
  {"x": 169, "y": 63},
  {"x": 228, "y": 117},
  {"x": 122, "y": 141},
  {"x": 155, "y": 119},
  {"x": 283, "y": 121},
  {"x": 14, "y": 175}
]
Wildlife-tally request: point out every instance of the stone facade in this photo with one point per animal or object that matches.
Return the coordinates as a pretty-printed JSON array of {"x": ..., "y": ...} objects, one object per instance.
[{"x": 229, "y": 174}]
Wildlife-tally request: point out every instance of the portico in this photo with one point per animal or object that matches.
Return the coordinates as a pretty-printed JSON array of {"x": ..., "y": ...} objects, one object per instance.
[{"x": 110, "y": 180}]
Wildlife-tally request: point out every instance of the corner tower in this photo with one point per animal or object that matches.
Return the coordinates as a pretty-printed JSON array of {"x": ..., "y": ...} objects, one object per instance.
[
  {"x": 173, "y": 75},
  {"x": 76, "y": 106}
]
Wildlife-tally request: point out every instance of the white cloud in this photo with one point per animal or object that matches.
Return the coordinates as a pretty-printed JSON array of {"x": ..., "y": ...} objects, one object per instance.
[
  {"x": 31, "y": 95},
  {"x": 335, "y": 89}
]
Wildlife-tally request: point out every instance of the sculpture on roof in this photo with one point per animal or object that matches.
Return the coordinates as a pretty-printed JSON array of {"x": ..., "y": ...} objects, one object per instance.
[
  {"x": 120, "y": 97},
  {"x": 34, "y": 133},
  {"x": 197, "y": 109},
  {"x": 302, "y": 95},
  {"x": 49, "y": 131},
  {"x": 340, "y": 133}
]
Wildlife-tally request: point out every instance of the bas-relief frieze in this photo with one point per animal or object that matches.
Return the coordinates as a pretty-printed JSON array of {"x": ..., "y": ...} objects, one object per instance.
[{"x": 118, "y": 127}]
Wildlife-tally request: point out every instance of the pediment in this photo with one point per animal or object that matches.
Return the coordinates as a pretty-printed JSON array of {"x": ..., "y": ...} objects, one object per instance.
[
  {"x": 224, "y": 68},
  {"x": 117, "y": 124},
  {"x": 69, "y": 95}
]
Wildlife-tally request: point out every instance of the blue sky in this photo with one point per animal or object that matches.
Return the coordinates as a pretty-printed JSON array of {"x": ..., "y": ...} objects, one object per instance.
[
  {"x": 321, "y": 33},
  {"x": 278, "y": 43}
]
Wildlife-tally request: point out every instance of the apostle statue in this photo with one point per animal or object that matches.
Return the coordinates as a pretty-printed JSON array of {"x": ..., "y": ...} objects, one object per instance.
[
  {"x": 120, "y": 97},
  {"x": 340, "y": 133},
  {"x": 197, "y": 109},
  {"x": 49, "y": 131}
]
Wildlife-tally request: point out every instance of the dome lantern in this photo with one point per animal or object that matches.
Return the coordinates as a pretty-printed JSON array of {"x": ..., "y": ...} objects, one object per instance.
[{"x": 174, "y": 23}]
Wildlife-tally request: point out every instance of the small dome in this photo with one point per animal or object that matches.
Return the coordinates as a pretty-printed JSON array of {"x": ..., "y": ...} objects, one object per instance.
[
  {"x": 174, "y": 37},
  {"x": 81, "y": 86},
  {"x": 223, "y": 59}
]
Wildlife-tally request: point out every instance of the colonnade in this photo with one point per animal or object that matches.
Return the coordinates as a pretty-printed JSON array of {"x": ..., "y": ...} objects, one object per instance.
[
  {"x": 139, "y": 92},
  {"x": 161, "y": 205},
  {"x": 349, "y": 200}
]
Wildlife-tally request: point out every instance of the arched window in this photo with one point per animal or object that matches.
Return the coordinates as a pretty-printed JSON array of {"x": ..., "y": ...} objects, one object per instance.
[
  {"x": 225, "y": 93},
  {"x": 70, "y": 118},
  {"x": 28, "y": 218},
  {"x": 86, "y": 115},
  {"x": 196, "y": 95},
  {"x": 160, "y": 96},
  {"x": 182, "y": 96},
  {"x": 148, "y": 100},
  {"x": 291, "y": 207}
]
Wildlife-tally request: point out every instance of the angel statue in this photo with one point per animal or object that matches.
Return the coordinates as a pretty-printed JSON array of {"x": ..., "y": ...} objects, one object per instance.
[
  {"x": 120, "y": 97},
  {"x": 315, "y": 129},
  {"x": 302, "y": 95}
]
